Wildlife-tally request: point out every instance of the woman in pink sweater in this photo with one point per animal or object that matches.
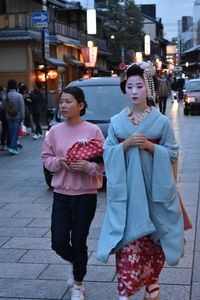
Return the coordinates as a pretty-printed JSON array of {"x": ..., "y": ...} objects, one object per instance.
[{"x": 75, "y": 186}]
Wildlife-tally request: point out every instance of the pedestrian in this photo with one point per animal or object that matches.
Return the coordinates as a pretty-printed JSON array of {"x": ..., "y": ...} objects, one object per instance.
[
  {"x": 180, "y": 83},
  {"x": 174, "y": 88},
  {"x": 75, "y": 186},
  {"x": 4, "y": 123},
  {"x": 164, "y": 92},
  {"x": 37, "y": 106},
  {"x": 143, "y": 223},
  {"x": 28, "y": 121},
  {"x": 13, "y": 105}
]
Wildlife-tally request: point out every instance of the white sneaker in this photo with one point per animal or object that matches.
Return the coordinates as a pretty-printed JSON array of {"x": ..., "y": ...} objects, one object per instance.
[
  {"x": 70, "y": 277},
  {"x": 77, "y": 292},
  {"x": 35, "y": 137},
  {"x": 39, "y": 136}
]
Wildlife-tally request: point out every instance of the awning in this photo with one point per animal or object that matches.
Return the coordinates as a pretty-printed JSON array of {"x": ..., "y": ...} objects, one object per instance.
[
  {"x": 56, "y": 62},
  {"x": 195, "y": 48},
  {"x": 74, "y": 61}
]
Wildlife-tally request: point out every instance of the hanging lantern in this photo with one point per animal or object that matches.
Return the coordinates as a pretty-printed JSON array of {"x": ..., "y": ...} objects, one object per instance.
[
  {"x": 52, "y": 74},
  {"x": 41, "y": 76}
]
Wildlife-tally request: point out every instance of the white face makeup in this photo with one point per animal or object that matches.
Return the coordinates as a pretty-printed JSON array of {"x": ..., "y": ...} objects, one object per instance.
[{"x": 136, "y": 90}]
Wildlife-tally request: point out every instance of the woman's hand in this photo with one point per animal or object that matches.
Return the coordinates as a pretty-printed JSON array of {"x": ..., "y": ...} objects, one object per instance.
[
  {"x": 79, "y": 166},
  {"x": 136, "y": 139},
  {"x": 64, "y": 165}
]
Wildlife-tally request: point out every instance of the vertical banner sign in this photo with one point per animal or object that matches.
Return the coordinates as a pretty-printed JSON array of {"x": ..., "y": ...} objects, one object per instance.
[
  {"x": 91, "y": 21},
  {"x": 147, "y": 44},
  {"x": 89, "y": 56},
  {"x": 46, "y": 43}
]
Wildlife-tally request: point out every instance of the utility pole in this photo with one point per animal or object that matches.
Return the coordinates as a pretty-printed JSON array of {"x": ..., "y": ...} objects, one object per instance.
[{"x": 45, "y": 50}]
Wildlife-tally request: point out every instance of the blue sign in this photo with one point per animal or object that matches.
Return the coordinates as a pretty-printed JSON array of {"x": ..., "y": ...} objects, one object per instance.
[{"x": 40, "y": 18}]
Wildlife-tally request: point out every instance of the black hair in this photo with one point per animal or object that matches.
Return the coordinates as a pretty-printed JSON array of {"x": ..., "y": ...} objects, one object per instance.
[
  {"x": 11, "y": 84},
  {"x": 78, "y": 95},
  {"x": 133, "y": 70},
  {"x": 38, "y": 84},
  {"x": 136, "y": 70}
]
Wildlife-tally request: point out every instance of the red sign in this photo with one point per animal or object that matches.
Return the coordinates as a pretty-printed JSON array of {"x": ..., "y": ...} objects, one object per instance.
[
  {"x": 89, "y": 56},
  {"x": 122, "y": 66}
]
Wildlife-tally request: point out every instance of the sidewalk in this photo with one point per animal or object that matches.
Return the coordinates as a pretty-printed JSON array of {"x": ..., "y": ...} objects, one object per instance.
[{"x": 29, "y": 269}]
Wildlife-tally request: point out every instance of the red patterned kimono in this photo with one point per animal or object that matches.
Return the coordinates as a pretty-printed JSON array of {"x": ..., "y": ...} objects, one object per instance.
[{"x": 138, "y": 265}]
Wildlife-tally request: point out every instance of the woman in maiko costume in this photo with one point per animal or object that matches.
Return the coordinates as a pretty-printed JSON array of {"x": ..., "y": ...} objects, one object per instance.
[{"x": 143, "y": 223}]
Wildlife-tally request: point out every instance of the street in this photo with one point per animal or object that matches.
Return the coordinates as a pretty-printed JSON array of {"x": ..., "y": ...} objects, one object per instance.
[{"x": 29, "y": 269}]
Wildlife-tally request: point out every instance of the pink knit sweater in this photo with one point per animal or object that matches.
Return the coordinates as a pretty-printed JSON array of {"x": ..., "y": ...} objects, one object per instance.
[{"x": 56, "y": 143}]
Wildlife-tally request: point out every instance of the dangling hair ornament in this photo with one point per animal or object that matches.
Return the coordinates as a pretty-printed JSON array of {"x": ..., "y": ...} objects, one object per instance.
[{"x": 149, "y": 72}]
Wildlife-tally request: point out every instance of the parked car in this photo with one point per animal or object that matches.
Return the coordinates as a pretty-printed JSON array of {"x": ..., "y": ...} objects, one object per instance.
[
  {"x": 192, "y": 97},
  {"x": 104, "y": 98}
]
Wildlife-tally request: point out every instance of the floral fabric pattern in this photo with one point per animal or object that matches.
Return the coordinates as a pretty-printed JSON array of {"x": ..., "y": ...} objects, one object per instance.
[{"x": 138, "y": 264}]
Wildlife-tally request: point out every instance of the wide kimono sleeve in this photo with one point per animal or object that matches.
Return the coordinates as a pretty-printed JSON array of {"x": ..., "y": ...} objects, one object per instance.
[
  {"x": 165, "y": 206},
  {"x": 113, "y": 225},
  {"x": 165, "y": 154},
  {"x": 49, "y": 157}
]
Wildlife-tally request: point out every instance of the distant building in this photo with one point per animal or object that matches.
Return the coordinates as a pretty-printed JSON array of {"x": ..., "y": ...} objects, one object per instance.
[{"x": 196, "y": 21}]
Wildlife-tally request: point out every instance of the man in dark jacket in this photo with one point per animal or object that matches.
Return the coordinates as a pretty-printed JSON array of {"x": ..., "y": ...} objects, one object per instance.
[
  {"x": 37, "y": 106},
  {"x": 163, "y": 92},
  {"x": 180, "y": 84}
]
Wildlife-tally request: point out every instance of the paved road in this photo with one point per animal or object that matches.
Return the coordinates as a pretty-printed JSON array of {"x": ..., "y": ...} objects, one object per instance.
[{"x": 29, "y": 269}]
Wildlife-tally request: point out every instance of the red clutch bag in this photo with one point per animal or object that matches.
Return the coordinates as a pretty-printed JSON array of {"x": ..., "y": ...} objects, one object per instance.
[{"x": 91, "y": 150}]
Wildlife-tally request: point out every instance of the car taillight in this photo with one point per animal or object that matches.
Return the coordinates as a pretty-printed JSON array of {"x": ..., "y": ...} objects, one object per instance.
[{"x": 189, "y": 99}]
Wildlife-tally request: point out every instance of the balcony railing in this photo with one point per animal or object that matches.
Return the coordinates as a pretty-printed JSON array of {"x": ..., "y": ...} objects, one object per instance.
[{"x": 24, "y": 22}]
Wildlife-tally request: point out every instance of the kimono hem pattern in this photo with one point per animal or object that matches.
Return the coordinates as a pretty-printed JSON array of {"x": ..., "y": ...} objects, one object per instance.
[{"x": 141, "y": 193}]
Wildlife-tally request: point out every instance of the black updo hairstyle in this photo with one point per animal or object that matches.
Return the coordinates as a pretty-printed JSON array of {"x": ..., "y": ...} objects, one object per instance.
[
  {"x": 135, "y": 70},
  {"x": 78, "y": 95}
]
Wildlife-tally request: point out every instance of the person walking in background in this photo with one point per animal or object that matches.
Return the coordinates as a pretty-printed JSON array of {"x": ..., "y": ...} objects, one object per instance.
[
  {"x": 180, "y": 83},
  {"x": 4, "y": 123},
  {"x": 37, "y": 106},
  {"x": 174, "y": 88},
  {"x": 163, "y": 93},
  {"x": 143, "y": 223},
  {"x": 15, "y": 112},
  {"x": 28, "y": 121},
  {"x": 75, "y": 186}
]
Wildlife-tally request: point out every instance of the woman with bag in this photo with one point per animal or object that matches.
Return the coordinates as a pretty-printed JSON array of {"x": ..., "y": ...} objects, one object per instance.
[
  {"x": 75, "y": 185},
  {"x": 143, "y": 223}
]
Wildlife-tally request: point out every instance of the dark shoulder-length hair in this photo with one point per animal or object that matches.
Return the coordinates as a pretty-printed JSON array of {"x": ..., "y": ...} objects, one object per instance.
[{"x": 78, "y": 95}]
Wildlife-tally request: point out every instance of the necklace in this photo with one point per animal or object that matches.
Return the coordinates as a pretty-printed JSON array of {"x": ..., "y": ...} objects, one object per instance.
[{"x": 136, "y": 118}]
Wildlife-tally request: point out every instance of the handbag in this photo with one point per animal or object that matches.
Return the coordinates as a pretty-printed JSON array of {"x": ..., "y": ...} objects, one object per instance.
[
  {"x": 22, "y": 130},
  {"x": 11, "y": 108},
  {"x": 91, "y": 150}
]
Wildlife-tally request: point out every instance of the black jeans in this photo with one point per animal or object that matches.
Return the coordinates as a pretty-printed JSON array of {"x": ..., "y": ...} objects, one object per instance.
[
  {"x": 162, "y": 104},
  {"x": 36, "y": 120},
  {"x": 70, "y": 223}
]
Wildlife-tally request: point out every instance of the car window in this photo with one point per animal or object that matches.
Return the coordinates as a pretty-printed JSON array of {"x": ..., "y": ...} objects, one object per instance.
[
  {"x": 103, "y": 101},
  {"x": 193, "y": 86}
]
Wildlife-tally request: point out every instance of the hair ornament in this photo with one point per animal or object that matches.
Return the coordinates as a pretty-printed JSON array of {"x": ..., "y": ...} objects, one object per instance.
[
  {"x": 148, "y": 73},
  {"x": 147, "y": 66}
]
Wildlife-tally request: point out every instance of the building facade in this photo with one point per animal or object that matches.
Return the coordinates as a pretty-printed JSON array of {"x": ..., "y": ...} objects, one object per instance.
[{"x": 28, "y": 53}]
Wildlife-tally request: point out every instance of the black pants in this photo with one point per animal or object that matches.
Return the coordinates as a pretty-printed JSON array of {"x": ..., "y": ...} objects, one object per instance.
[
  {"x": 162, "y": 104},
  {"x": 5, "y": 130},
  {"x": 36, "y": 120},
  {"x": 71, "y": 220}
]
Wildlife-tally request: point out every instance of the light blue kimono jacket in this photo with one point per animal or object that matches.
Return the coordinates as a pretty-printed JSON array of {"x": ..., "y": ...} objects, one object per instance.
[{"x": 142, "y": 198}]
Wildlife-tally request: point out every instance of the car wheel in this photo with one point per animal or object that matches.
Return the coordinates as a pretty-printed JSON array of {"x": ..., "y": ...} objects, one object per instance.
[
  {"x": 48, "y": 176},
  {"x": 186, "y": 111}
]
